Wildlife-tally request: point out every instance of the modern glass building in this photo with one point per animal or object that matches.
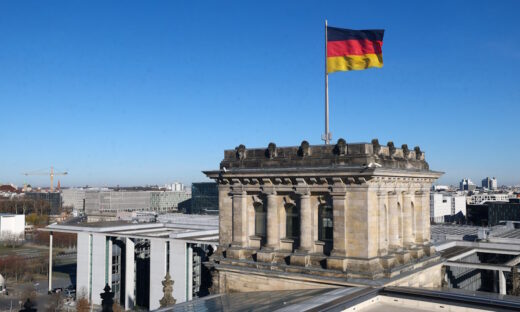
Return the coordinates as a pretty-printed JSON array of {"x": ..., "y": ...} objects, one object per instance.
[{"x": 204, "y": 198}]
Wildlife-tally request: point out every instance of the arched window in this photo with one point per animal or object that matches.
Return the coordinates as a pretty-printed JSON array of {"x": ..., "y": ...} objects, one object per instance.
[
  {"x": 260, "y": 220},
  {"x": 292, "y": 223},
  {"x": 325, "y": 227}
]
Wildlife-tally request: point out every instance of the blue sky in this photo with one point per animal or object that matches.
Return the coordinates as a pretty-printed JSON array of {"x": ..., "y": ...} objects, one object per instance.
[{"x": 146, "y": 92}]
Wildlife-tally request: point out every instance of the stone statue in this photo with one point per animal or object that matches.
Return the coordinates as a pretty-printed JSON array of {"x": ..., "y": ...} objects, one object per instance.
[
  {"x": 241, "y": 151},
  {"x": 107, "y": 299},
  {"x": 406, "y": 151},
  {"x": 167, "y": 300},
  {"x": 305, "y": 149},
  {"x": 271, "y": 151},
  {"x": 376, "y": 146},
  {"x": 341, "y": 147},
  {"x": 418, "y": 154},
  {"x": 391, "y": 148}
]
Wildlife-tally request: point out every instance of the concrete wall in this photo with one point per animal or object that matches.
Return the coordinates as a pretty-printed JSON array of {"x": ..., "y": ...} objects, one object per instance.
[
  {"x": 178, "y": 269},
  {"x": 83, "y": 265},
  {"x": 157, "y": 271},
  {"x": 430, "y": 277}
]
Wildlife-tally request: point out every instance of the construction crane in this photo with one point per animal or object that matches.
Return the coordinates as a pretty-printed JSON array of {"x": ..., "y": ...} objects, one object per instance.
[{"x": 51, "y": 174}]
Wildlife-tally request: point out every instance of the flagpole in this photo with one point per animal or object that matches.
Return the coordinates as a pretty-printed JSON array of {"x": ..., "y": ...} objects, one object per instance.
[{"x": 327, "y": 136}]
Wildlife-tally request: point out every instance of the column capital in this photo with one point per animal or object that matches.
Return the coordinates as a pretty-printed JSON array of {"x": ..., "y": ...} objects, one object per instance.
[
  {"x": 303, "y": 192},
  {"x": 238, "y": 193},
  {"x": 338, "y": 195}
]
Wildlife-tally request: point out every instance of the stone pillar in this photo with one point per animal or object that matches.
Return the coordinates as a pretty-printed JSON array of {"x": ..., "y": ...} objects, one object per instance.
[
  {"x": 408, "y": 235},
  {"x": 425, "y": 200},
  {"x": 50, "y": 261},
  {"x": 383, "y": 217},
  {"x": 305, "y": 222},
  {"x": 239, "y": 218},
  {"x": 250, "y": 221},
  {"x": 502, "y": 282},
  {"x": 225, "y": 216},
  {"x": 394, "y": 214},
  {"x": 418, "y": 214},
  {"x": 273, "y": 230},
  {"x": 339, "y": 236}
]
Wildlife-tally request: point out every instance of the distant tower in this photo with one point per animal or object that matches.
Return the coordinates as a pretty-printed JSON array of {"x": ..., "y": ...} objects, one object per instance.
[{"x": 58, "y": 187}]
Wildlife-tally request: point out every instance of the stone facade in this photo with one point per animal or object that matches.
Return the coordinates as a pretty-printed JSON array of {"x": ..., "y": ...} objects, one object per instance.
[{"x": 329, "y": 212}]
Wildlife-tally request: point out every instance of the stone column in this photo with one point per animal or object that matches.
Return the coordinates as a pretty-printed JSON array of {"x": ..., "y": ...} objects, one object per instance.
[
  {"x": 239, "y": 218},
  {"x": 408, "y": 239},
  {"x": 425, "y": 200},
  {"x": 383, "y": 215},
  {"x": 339, "y": 212},
  {"x": 250, "y": 220},
  {"x": 225, "y": 204},
  {"x": 273, "y": 230},
  {"x": 394, "y": 214},
  {"x": 305, "y": 222},
  {"x": 418, "y": 214}
]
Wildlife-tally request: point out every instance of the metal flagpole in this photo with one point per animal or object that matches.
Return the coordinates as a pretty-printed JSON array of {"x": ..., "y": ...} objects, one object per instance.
[{"x": 327, "y": 136}]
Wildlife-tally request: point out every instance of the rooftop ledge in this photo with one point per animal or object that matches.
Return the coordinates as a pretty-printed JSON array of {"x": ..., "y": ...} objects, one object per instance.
[{"x": 342, "y": 156}]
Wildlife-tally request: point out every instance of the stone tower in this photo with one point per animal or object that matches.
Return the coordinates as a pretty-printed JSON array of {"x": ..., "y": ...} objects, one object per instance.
[{"x": 325, "y": 214}]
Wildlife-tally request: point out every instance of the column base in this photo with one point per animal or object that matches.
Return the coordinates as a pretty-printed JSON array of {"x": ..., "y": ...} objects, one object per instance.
[
  {"x": 318, "y": 260},
  {"x": 266, "y": 256},
  {"x": 429, "y": 250},
  {"x": 240, "y": 253},
  {"x": 402, "y": 256},
  {"x": 417, "y": 252},
  {"x": 337, "y": 263},
  {"x": 281, "y": 257},
  {"x": 388, "y": 262},
  {"x": 300, "y": 259}
]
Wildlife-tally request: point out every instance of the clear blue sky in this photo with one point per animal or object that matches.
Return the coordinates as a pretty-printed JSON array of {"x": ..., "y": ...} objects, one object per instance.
[{"x": 127, "y": 92}]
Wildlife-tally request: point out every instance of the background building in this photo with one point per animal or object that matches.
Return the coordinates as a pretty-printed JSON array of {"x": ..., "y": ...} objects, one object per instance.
[
  {"x": 204, "y": 198},
  {"x": 481, "y": 198},
  {"x": 73, "y": 197},
  {"x": 109, "y": 202},
  {"x": 467, "y": 185},
  {"x": 12, "y": 226},
  {"x": 490, "y": 184},
  {"x": 53, "y": 199},
  {"x": 493, "y": 212},
  {"x": 134, "y": 258}
]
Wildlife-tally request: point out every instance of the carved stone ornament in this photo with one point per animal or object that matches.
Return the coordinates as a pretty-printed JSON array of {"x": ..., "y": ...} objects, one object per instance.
[
  {"x": 406, "y": 151},
  {"x": 305, "y": 149},
  {"x": 257, "y": 199},
  {"x": 287, "y": 200},
  {"x": 271, "y": 151},
  {"x": 376, "y": 146},
  {"x": 341, "y": 147},
  {"x": 419, "y": 155},
  {"x": 324, "y": 200},
  {"x": 391, "y": 148},
  {"x": 241, "y": 152}
]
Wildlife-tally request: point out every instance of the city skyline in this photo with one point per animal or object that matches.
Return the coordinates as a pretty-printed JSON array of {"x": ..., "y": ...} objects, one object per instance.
[{"x": 116, "y": 103}]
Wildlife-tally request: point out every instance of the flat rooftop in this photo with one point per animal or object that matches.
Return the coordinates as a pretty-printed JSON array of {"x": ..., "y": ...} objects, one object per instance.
[
  {"x": 389, "y": 299},
  {"x": 192, "y": 228}
]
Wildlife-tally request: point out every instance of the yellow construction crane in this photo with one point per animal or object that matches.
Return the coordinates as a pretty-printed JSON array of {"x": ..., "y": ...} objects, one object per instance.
[{"x": 51, "y": 174}]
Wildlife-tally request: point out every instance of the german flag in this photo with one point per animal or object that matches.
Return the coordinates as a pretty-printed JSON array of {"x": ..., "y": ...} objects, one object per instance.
[{"x": 349, "y": 49}]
